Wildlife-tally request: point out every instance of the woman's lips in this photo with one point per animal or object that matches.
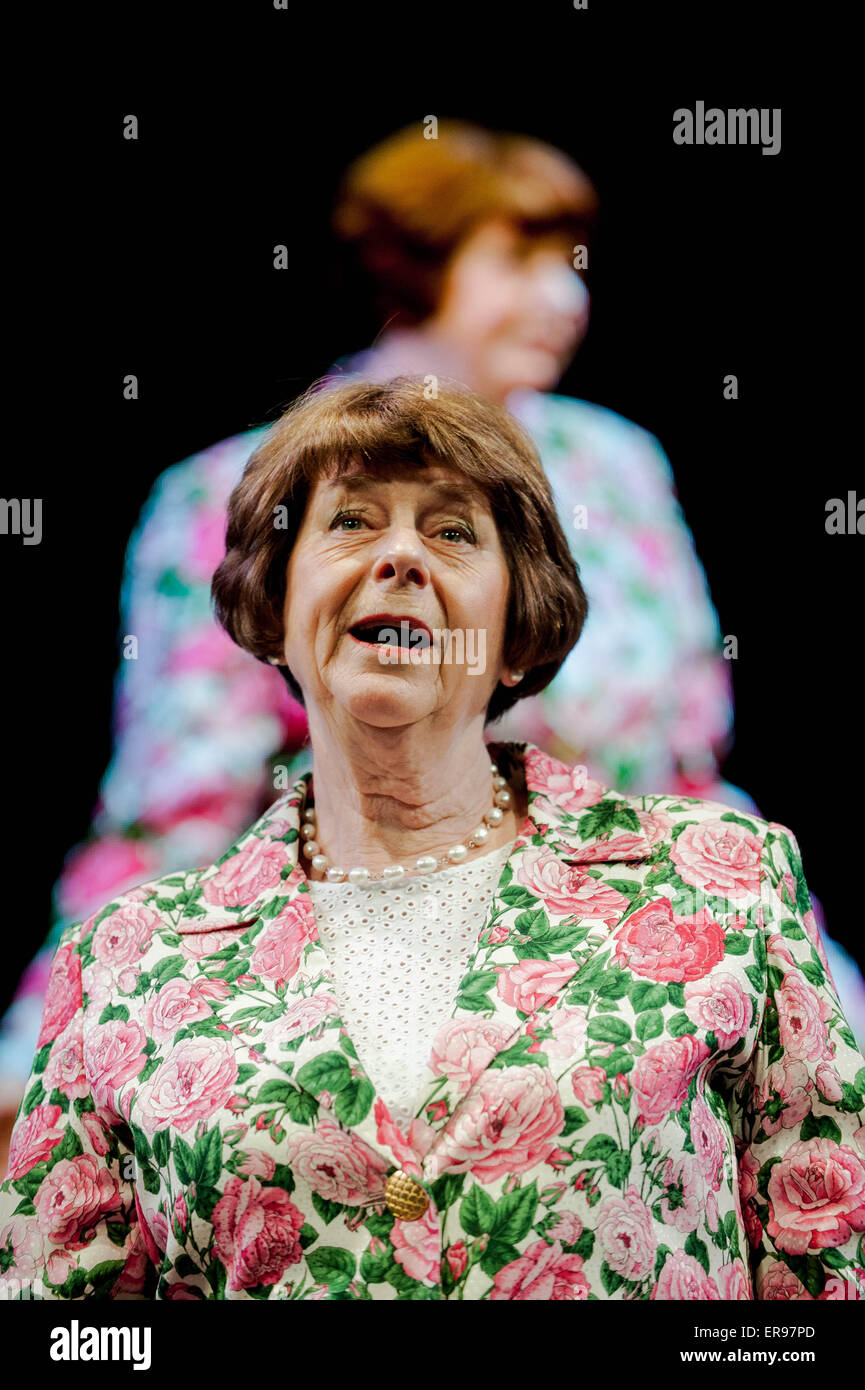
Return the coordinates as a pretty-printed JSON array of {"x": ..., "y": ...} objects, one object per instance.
[
  {"x": 405, "y": 628},
  {"x": 377, "y": 646}
]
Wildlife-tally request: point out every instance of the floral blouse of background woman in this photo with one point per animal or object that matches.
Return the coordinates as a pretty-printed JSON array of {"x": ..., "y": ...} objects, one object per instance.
[{"x": 205, "y": 736}]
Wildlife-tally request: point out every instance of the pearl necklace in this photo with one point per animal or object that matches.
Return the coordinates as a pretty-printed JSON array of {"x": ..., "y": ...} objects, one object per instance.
[{"x": 425, "y": 863}]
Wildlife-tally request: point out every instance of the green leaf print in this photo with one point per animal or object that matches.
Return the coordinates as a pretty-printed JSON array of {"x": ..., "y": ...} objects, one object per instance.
[
  {"x": 329, "y": 1072},
  {"x": 515, "y": 1212},
  {"x": 354, "y": 1101},
  {"x": 477, "y": 1212}
]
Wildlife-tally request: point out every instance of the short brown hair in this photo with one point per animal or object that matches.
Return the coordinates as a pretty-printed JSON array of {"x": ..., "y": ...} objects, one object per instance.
[
  {"x": 392, "y": 425},
  {"x": 406, "y": 205}
]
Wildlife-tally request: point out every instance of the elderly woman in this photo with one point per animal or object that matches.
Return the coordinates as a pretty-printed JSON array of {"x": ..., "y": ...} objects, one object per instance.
[
  {"x": 466, "y": 243},
  {"x": 452, "y": 1019}
]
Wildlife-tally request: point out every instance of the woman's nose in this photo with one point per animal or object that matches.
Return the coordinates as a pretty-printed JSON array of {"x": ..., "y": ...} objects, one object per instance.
[{"x": 401, "y": 558}]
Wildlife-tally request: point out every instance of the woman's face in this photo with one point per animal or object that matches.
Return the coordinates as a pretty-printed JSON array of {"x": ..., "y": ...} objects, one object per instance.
[
  {"x": 513, "y": 308},
  {"x": 412, "y": 555}
]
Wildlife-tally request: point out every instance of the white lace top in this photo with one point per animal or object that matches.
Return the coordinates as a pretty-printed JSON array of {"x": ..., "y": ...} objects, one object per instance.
[{"x": 398, "y": 953}]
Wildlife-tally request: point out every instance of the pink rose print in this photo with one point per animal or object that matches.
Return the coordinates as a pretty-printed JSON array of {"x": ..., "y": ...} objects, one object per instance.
[
  {"x": 809, "y": 922},
  {"x": 195, "y": 945},
  {"x": 63, "y": 997},
  {"x": 192, "y": 1083},
  {"x": 837, "y": 1287},
  {"x": 113, "y": 1054},
  {"x": 655, "y": 825},
  {"x": 721, "y": 1006},
  {"x": 97, "y": 1132},
  {"x": 71, "y": 1201},
  {"x": 58, "y": 1266},
  {"x": 507, "y": 1124},
  {"x": 65, "y": 1069},
  {"x": 26, "y": 1242},
  {"x": 721, "y": 857},
  {"x": 183, "y": 1291},
  {"x": 779, "y": 1283},
  {"x": 33, "y": 1139},
  {"x": 567, "y": 1227},
  {"x": 306, "y": 1016},
  {"x": 496, "y": 934},
  {"x": 280, "y": 946},
  {"x": 569, "y": 1032},
  {"x": 123, "y": 937},
  {"x": 542, "y": 1273},
  {"x": 829, "y": 1082},
  {"x": 802, "y": 1017},
  {"x": 661, "y": 1077},
  {"x": 620, "y": 846},
  {"x": 214, "y": 989},
  {"x": 531, "y": 984},
  {"x": 784, "y": 1096},
  {"x": 416, "y": 1246},
  {"x": 659, "y": 945},
  {"x": 749, "y": 1169},
  {"x": 98, "y": 983},
  {"x": 568, "y": 888},
  {"x": 463, "y": 1049},
  {"x": 816, "y": 1197},
  {"x": 134, "y": 1272},
  {"x": 735, "y": 1283},
  {"x": 243, "y": 877},
  {"x": 155, "y": 1232},
  {"x": 625, "y": 1235},
  {"x": 588, "y": 1083},
  {"x": 564, "y": 788},
  {"x": 256, "y": 1233},
  {"x": 181, "y": 1214},
  {"x": 337, "y": 1165},
  {"x": 257, "y": 1165},
  {"x": 683, "y": 1278},
  {"x": 681, "y": 1204},
  {"x": 178, "y": 1003},
  {"x": 778, "y": 949},
  {"x": 406, "y": 1149},
  {"x": 457, "y": 1258},
  {"x": 707, "y": 1136}
]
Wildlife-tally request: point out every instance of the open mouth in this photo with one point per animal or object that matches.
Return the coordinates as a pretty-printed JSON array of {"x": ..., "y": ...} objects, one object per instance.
[{"x": 390, "y": 630}]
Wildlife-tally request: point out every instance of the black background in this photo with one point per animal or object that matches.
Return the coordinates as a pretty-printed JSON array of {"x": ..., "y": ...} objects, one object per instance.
[{"x": 154, "y": 257}]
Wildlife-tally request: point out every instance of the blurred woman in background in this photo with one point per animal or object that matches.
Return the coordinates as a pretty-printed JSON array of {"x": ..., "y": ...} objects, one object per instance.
[{"x": 476, "y": 246}]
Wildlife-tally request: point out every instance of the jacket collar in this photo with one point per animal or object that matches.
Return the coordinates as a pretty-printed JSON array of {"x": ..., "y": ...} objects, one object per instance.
[
  {"x": 589, "y": 823},
  {"x": 260, "y": 877}
]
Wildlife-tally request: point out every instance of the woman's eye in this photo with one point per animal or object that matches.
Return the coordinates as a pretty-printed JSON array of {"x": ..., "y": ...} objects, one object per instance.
[
  {"x": 462, "y": 532},
  {"x": 342, "y": 517}
]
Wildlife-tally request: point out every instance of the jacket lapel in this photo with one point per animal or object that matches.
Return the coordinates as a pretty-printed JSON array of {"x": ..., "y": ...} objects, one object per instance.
[{"x": 551, "y": 913}]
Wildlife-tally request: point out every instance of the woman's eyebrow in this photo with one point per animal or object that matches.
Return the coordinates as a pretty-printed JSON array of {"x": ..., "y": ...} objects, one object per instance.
[{"x": 445, "y": 490}]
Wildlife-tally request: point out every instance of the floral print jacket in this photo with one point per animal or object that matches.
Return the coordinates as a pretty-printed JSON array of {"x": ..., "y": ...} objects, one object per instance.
[{"x": 647, "y": 1088}]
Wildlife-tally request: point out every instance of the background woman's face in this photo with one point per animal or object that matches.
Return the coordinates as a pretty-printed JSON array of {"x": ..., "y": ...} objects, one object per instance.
[
  {"x": 513, "y": 309},
  {"x": 422, "y": 545}
]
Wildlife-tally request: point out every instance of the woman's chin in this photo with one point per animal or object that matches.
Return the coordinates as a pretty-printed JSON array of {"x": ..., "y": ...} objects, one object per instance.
[{"x": 386, "y": 700}]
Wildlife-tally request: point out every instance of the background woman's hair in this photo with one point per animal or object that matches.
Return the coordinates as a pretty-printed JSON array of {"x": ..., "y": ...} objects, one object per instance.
[
  {"x": 394, "y": 425},
  {"x": 404, "y": 207}
]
